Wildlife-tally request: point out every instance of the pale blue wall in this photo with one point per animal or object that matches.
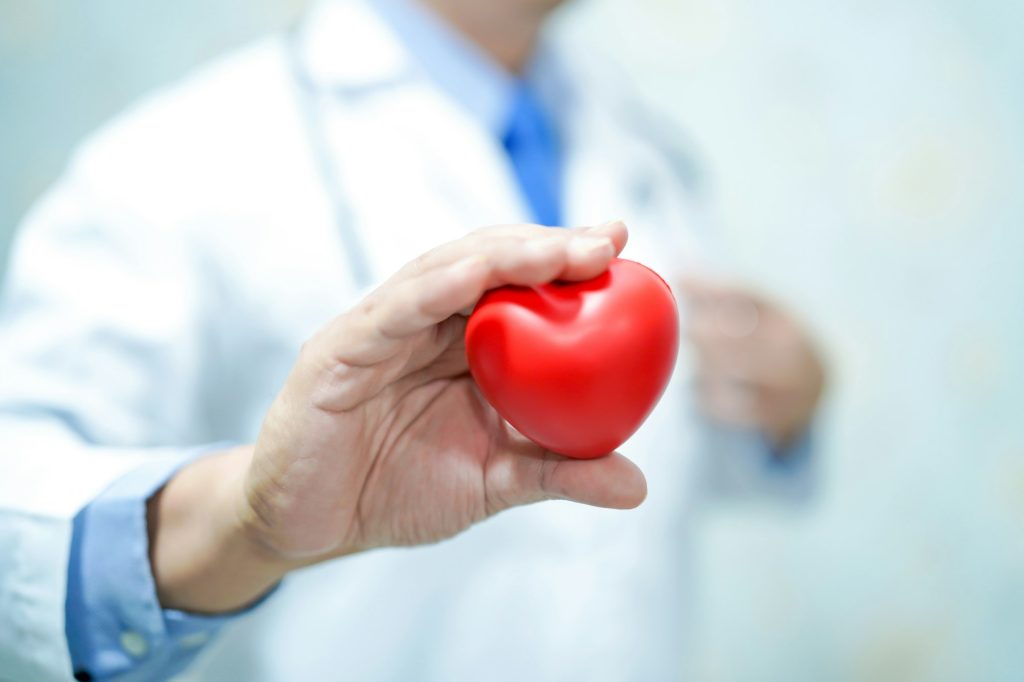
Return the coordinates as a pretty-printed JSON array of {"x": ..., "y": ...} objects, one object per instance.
[
  {"x": 65, "y": 67},
  {"x": 869, "y": 163}
]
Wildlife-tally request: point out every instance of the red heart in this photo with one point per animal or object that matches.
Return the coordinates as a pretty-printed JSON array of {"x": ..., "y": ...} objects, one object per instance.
[{"x": 576, "y": 366}]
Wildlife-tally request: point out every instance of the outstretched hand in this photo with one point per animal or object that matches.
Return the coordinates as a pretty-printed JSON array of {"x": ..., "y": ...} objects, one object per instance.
[{"x": 379, "y": 436}]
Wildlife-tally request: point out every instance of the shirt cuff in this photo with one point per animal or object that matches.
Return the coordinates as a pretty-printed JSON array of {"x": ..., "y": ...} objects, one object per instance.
[
  {"x": 742, "y": 465},
  {"x": 793, "y": 457},
  {"x": 114, "y": 624}
]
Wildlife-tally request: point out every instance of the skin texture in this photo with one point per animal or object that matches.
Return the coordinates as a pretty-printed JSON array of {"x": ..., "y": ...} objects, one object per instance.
[{"x": 379, "y": 437}]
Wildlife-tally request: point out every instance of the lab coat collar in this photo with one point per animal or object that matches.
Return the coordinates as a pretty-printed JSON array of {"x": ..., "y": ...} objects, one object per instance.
[
  {"x": 349, "y": 47},
  {"x": 454, "y": 63},
  {"x": 344, "y": 45}
]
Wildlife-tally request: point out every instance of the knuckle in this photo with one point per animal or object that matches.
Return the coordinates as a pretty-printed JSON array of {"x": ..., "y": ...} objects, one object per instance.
[
  {"x": 307, "y": 353},
  {"x": 365, "y": 308},
  {"x": 336, "y": 388},
  {"x": 421, "y": 263},
  {"x": 331, "y": 384}
]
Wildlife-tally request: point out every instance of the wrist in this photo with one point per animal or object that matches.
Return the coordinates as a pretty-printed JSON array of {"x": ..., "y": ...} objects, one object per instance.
[{"x": 203, "y": 556}]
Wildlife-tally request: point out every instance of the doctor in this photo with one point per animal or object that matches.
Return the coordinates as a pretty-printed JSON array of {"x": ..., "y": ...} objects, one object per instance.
[{"x": 186, "y": 419}]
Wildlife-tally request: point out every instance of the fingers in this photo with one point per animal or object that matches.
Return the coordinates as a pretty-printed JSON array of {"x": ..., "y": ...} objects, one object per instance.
[
  {"x": 715, "y": 312},
  {"x": 397, "y": 330},
  {"x": 497, "y": 238},
  {"x": 742, "y": 337},
  {"x": 454, "y": 276},
  {"x": 728, "y": 402},
  {"x": 522, "y": 472},
  {"x": 700, "y": 286},
  {"x": 528, "y": 256},
  {"x": 613, "y": 482},
  {"x": 757, "y": 366},
  {"x": 417, "y": 303},
  {"x": 773, "y": 350},
  {"x": 781, "y": 415},
  {"x": 614, "y": 230}
]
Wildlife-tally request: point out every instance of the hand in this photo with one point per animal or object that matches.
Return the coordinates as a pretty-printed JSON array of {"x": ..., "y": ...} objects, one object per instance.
[
  {"x": 380, "y": 437},
  {"x": 756, "y": 366}
]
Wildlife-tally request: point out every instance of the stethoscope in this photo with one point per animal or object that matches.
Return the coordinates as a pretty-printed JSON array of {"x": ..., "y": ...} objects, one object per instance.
[{"x": 309, "y": 99}]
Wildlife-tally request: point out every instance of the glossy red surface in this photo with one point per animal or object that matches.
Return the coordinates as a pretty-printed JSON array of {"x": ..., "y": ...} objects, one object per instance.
[{"x": 576, "y": 366}]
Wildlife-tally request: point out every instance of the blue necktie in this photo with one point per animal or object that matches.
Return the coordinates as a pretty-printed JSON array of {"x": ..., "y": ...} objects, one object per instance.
[{"x": 533, "y": 149}]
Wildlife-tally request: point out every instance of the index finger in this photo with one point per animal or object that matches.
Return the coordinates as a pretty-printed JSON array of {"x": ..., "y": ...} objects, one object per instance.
[
  {"x": 413, "y": 304},
  {"x": 491, "y": 239}
]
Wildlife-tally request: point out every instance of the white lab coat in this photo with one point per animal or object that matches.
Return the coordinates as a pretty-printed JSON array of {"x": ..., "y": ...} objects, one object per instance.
[{"x": 157, "y": 298}]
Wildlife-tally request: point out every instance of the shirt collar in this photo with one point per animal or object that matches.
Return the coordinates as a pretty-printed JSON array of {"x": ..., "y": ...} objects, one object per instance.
[{"x": 462, "y": 70}]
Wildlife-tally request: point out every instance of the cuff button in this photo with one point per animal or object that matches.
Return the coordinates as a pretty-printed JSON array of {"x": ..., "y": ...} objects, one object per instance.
[{"x": 134, "y": 644}]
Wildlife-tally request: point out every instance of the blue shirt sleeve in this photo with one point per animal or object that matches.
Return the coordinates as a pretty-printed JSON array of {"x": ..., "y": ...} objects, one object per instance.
[
  {"x": 740, "y": 464},
  {"x": 114, "y": 624}
]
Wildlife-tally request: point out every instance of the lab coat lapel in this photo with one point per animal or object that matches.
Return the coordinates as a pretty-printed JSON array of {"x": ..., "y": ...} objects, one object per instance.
[
  {"x": 615, "y": 171},
  {"x": 415, "y": 168}
]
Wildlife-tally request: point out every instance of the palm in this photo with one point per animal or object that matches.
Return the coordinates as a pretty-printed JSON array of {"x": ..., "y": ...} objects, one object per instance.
[
  {"x": 429, "y": 482},
  {"x": 433, "y": 459}
]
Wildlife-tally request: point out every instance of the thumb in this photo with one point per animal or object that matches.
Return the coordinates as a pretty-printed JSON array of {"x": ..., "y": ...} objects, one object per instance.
[{"x": 521, "y": 472}]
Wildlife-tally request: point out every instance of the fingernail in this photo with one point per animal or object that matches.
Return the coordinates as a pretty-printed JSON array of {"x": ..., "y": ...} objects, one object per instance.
[
  {"x": 584, "y": 247},
  {"x": 606, "y": 226}
]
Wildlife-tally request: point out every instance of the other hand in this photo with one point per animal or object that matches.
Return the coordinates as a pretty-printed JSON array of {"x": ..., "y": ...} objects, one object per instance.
[{"x": 757, "y": 367}]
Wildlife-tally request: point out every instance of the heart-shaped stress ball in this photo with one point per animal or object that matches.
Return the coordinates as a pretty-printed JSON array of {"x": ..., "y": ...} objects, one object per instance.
[{"x": 576, "y": 366}]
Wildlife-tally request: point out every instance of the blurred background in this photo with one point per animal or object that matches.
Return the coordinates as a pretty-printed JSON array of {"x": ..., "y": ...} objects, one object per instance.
[{"x": 867, "y": 163}]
